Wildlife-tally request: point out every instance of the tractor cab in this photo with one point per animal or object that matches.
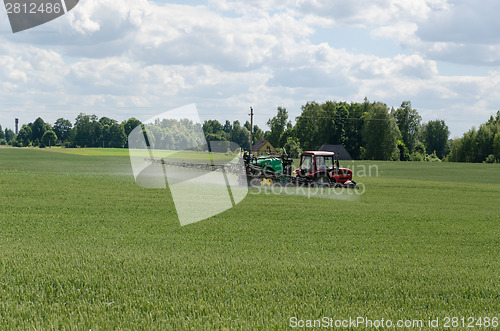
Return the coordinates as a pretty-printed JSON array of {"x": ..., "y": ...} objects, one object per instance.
[{"x": 322, "y": 167}]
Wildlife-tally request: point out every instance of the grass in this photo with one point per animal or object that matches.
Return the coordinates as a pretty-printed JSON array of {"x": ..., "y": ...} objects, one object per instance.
[
  {"x": 83, "y": 247},
  {"x": 184, "y": 155}
]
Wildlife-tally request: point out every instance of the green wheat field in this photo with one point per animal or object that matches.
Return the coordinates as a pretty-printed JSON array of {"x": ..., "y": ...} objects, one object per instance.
[{"x": 83, "y": 247}]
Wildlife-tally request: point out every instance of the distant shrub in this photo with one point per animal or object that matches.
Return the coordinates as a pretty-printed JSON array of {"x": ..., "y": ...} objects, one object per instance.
[
  {"x": 420, "y": 148},
  {"x": 404, "y": 155},
  {"x": 3, "y": 142},
  {"x": 490, "y": 159},
  {"x": 362, "y": 153},
  {"x": 416, "y": 156},
  {"x": 16, "y": 143},
  {"x": 432, "y": 157}
]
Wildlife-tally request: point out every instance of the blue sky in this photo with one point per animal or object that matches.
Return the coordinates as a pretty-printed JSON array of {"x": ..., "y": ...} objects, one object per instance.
[{"x": 140, "y": 58}]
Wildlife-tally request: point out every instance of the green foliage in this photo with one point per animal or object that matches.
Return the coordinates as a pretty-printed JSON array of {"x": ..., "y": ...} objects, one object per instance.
[
  {"x": 432, "y": 158},
  {"x": 49, "y": 138},
  {"x": 2, "y": 133},
  {"x": 435, "y": 137},
  {"x": 38, "y": 128},
  {"x": 496, "y": 145},
  {"x": 490, "y": 159},
  {"x": 15, "y": 143},
  {"x": 366, "y": 130},
  {"x": 380, "y": 133},
  {"x": 3, "y": 141},
  {"x": 240, "y": 135},
  {"x": 106, "y": 121},
  {"x": 417, "y": 157},
  {"x": 9, "y": 135},
  {"x": 24, "y": 136},
  {"x": 248, "y": 126},
  {"x": 88, "y": 131},
  {"x": 278, "y": 125},
  {"x": 330, "y": 123},
  {"x": 420, "y": 147},
  {"x": 306, "y": 128},
  {"x": 404, "y": 155},
  {"x": 175, "y": 135},
  {"x": 258, "y": 134},
  {"x": 215, "y": 131},
  {"x": 333, "y": 123},
  {"x": 130, "y": 125},
  {"x": 62, "y": 128},
  {"x": 117, "y": 137},
  {"x": 289, "y": 133},
  {"x": 477, "y": 145},
  {"x": 408, "y": 121},
  {"x": 292, "y": 147},
  {"x": 484, "y": 143}
]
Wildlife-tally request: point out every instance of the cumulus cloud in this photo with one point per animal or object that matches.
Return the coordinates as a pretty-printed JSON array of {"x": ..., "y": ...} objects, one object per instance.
[
  {"x": 370, "y": 12},
  {"x": 227, "y": 55},
  {"x": 463, "y": 22}
]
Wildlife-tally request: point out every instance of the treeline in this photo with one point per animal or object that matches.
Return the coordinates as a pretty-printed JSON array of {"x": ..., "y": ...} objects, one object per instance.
[
  {"x": 87, "y": 131},
  {"x": 373, "y": 131},
  {"x": 481, "y": 145},
  {"x": 367, "y": 130},
  {"x": 92, "y": 131}
]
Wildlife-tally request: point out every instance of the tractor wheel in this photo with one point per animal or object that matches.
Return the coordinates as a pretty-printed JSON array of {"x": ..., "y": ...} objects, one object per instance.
[
  {"x": 322, "y": 181},
  {"x": 352, "y": 185},
  {"x": 266, "y": 182},
  {"x": 255, "y": 182},
  {"x": 337, "y": 185}
]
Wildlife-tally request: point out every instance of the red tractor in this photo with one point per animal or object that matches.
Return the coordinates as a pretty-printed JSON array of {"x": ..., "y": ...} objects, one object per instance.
[{"x": 322, "y": 169}]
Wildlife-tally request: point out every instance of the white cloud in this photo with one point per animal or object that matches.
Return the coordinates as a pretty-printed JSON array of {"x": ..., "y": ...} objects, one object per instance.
[
  {"x": 370, "y": 12},
  {"x": 228, "y": 55}
]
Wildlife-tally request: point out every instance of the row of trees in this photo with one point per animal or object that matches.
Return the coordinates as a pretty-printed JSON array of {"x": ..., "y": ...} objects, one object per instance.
[
  {"x": 91, "y": 131},
  {"x": 367, "y": 130},
  {"x": 481, "y": 145},
  {"x": 88, "y": 131},
  {"x": 6, "y": 136},
  {"x": 234, "y": 132}
]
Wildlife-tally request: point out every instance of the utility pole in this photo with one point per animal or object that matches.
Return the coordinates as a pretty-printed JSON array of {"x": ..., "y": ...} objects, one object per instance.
[{"x": 251, "y": 128}]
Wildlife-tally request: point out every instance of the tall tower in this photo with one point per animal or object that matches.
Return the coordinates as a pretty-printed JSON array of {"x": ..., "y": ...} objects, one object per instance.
[{"x": 17, "y": 125}]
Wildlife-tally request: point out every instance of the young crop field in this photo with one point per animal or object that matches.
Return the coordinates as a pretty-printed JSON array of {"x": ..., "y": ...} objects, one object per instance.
[{"x": 83, "y": 247}]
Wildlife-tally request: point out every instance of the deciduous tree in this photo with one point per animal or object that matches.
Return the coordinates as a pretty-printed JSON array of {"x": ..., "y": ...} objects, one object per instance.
[
  {"x": 435, "y": 135},
  {"x": 130, "y": 125},
  {"x": 496, "y": 146},
  {"x": 277, "y": 125},
  {"x": 9, "y": 135},
  {"x": 38, "y": 128},
  {"x": 380, "y": 133},
  {"x": 408, "y": 121},
  {"x": 49, "y": 138},
  {"x": 24, "y": 136},
  {"x": 62, "y": 129}
]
